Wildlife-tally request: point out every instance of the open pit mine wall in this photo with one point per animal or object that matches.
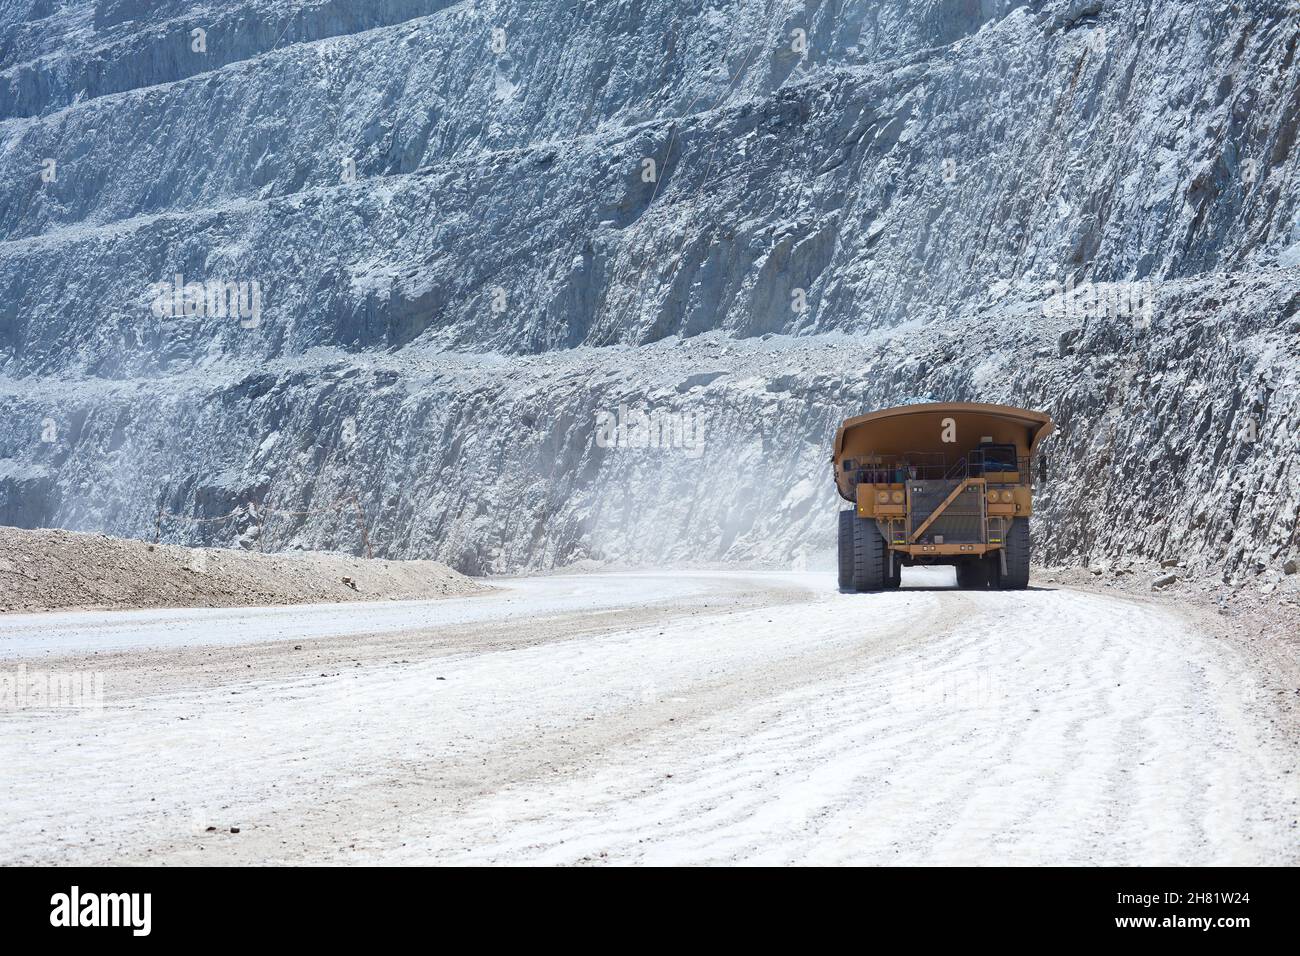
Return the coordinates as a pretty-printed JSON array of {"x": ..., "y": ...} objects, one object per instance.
[{"x": 461, "y": 258}]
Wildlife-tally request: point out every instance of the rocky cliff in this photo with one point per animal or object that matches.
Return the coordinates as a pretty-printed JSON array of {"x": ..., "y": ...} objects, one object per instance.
[{"x": 458, "y": 236}]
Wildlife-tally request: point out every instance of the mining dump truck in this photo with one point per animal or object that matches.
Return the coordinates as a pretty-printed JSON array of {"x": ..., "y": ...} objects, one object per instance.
[{"x": 938, "y": 483}]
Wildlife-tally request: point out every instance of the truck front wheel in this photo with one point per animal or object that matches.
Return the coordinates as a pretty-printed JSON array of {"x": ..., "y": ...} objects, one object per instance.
[
  {"x": 846, "y": 550},
  {"x": 862, "y": 558},
  {"x": 1016, "y": 546}
]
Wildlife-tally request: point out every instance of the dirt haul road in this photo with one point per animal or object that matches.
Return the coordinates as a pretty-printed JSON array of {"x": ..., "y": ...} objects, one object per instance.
[{"x": 684, "y": 717}]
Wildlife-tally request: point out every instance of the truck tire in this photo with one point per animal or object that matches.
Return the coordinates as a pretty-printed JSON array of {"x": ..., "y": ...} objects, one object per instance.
[
  {"x": 869, "y": 560},
  {"x": 973, "y": 574},
  {"x": 896, "y": 579},
  {"x": 846, "y": 549},
  {"x": 1016, "y": 545}
]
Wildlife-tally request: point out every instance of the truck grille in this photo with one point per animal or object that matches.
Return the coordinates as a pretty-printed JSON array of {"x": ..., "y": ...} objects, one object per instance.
[{"x": 959, "y": 524}]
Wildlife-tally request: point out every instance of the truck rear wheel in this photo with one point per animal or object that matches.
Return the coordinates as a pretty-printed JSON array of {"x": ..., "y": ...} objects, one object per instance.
[
  {"x": 973, "y": 574},
  {"x": 1016, "y": 546},
  {"x": 896, "y": 579}
]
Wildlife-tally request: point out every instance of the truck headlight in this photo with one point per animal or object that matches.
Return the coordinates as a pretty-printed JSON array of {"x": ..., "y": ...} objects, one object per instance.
[
  {"x": 1007, "y": 495},
  {"x": 883, "y": 497},
  {"x": 897, "y": 496}
]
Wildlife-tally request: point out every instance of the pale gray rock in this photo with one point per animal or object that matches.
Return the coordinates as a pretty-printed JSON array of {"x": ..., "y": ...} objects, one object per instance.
[{"x": 438, "y": 332}]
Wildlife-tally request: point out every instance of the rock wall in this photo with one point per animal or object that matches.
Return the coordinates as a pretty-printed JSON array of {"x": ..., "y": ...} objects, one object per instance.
[{"x": 750, "y": 220}]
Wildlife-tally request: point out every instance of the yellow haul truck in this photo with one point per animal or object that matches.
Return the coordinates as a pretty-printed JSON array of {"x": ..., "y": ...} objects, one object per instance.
[{"x": 940, "y": 483}]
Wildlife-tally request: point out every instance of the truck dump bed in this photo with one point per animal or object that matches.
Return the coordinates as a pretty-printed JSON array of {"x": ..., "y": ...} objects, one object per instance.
[{"x": 934, "y": 440}]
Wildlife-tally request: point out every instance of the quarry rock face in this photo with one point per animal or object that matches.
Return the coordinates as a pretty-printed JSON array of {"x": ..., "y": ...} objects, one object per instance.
[{"x": 516, "y": 285}]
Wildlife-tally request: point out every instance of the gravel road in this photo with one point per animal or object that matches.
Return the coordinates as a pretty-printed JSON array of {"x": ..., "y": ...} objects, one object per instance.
[{"x": 674, "y": 717}]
